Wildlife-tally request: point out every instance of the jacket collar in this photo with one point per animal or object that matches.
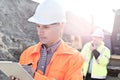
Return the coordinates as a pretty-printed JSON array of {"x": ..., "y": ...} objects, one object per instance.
[
  {"x": 65, "y": 49},
  {"x": 62, "y": 49}
]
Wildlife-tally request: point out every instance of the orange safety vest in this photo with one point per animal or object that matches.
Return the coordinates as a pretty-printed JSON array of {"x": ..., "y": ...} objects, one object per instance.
[{"x": 66, "y": 63}]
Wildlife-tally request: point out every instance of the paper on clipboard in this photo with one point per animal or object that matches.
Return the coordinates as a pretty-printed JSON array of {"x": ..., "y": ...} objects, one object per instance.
[{"x": 15, "y": 69}]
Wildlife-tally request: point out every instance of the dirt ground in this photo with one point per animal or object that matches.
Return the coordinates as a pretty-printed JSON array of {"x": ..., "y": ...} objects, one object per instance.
[{"x": 112, "y": 78}]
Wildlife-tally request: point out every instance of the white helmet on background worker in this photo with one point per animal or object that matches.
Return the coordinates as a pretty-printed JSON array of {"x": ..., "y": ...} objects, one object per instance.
[
  {"x": 50, "y": 11},
  {"x": 98, "y": 33}
]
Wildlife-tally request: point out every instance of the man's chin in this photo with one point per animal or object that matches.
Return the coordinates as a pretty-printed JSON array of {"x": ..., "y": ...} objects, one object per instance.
[{"x": 43, "y": 42}]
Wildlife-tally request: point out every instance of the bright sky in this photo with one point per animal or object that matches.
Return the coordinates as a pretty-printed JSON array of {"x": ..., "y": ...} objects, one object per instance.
[{"x": 102, "y": 10}]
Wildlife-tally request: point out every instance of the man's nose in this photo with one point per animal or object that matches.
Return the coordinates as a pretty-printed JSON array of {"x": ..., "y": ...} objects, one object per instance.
[{"x": 41, "y": 31}]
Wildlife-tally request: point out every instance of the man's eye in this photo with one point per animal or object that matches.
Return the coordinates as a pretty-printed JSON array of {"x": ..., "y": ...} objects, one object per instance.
[
  {"x": 43, "y": 26},
  {"x": 38, "y": 26},
  {"x": 46, "y": 26},
  {"x": 55, "y": 24}
]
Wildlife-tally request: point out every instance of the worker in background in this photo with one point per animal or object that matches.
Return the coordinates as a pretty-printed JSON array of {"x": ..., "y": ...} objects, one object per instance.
[
  {"x": 96, "y": 57},
  {"x": 51, "y": 58}
]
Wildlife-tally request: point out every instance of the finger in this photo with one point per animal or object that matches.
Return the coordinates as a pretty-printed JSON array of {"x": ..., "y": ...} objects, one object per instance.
[
  {"x": 13, "y": 78},
  {"x": 17, "y": 79}
]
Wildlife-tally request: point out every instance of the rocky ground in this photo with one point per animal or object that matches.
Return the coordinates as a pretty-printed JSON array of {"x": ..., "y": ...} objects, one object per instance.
[{"x": 15, "y": 32}]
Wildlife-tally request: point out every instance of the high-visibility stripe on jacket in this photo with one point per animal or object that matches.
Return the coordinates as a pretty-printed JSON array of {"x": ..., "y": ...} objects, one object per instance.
[
  {"x": 99, "y": 65},
  {"x": 66, "y": 63}
]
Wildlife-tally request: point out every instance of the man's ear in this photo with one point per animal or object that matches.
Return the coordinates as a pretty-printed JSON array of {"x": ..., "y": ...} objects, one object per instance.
[{"x": 62, "y": 25}]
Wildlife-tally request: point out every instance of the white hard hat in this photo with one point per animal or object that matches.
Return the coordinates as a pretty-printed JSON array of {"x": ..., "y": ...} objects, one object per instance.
[
  {"x": 50, "y": 11},
  {"x": 98, "y": 33}
]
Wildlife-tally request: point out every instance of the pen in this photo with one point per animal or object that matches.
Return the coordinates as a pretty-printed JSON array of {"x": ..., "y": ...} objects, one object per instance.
[{"x": 29, "y": 64}]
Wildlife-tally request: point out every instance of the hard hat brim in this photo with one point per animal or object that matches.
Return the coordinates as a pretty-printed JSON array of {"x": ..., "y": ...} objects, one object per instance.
[
  {"x": 44, "y": 22},
  {"x": 96, "y": 35},
  {"x": 32, "y": 19}
]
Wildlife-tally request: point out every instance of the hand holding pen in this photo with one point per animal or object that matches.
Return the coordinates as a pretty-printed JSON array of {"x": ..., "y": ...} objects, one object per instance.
[
  {"x": 92, "y": 46},
  {"x": 29, "y": 69}
]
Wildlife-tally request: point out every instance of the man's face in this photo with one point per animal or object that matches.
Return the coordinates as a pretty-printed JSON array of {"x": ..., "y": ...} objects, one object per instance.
[
  {"x": 97, "y": 40},
  {"x": 49, "y": 34}
]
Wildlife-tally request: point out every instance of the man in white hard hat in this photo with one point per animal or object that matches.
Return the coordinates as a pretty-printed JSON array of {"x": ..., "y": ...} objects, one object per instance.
[
  {"x": 96, "y": 57},
  {"x": 52, "y": 58}
]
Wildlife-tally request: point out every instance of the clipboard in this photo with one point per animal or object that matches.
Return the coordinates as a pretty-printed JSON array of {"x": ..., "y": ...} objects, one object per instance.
[{"x": 13, "y": 68}]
